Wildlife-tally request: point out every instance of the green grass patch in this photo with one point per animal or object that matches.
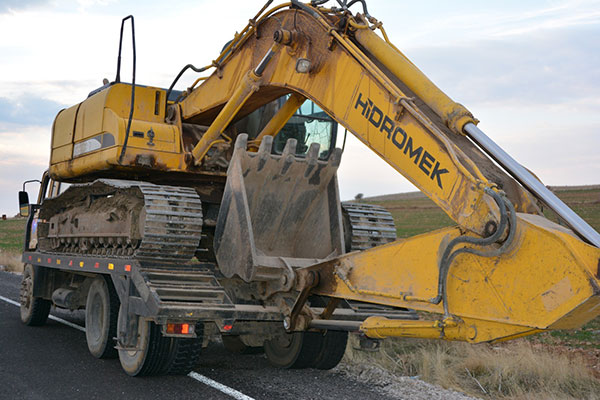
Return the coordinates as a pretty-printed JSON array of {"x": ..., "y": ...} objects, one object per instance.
[
  {"x": 12, "y": 234},
  {"x": 415, "y": 216}
]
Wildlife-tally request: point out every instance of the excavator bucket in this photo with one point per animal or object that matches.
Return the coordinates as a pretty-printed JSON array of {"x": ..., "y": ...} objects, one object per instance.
[{"x": 278, "y": 211}]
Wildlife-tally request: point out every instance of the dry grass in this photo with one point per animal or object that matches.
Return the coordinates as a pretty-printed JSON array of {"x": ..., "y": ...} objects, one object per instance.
[
  {"x": 516, "y": 370},
  {"x": 11, "y": 261}
]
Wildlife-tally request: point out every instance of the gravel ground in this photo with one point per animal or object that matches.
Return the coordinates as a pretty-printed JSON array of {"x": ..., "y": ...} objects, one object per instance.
[{"x": 400, "y": 387}]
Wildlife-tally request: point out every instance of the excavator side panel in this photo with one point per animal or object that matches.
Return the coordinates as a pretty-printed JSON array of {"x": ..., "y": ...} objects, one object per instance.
[{"x": 89, "y": 137}]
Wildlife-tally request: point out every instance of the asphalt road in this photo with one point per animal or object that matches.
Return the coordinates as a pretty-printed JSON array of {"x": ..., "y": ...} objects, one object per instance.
[{"x": 53, "y": 362}]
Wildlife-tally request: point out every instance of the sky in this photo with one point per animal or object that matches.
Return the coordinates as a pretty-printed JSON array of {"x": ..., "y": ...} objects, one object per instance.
[{"x": 529, "y": 71}]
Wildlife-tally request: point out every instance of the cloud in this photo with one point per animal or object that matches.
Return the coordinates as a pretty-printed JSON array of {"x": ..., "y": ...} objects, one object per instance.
[
  {"x": 28, "y": 109},
  {"x": 7, "y": 6},
  {"x": 553, "y": 67}
]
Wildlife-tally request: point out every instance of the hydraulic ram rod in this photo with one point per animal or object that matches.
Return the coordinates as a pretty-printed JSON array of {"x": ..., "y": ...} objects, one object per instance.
[{"x": 529, "y": 182}]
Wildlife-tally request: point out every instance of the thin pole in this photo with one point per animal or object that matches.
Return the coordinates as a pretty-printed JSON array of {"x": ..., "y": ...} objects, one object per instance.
[{"x": 531, "y": 183}]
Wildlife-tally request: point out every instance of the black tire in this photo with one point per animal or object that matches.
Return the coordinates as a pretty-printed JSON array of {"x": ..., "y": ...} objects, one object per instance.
[
  {"x": 152, "y": 350},
  {"x": 234, "y": 344},
  {"x": 34, "y": 310},
  {"x": 294, "y": 350},
  {"x": 332, "y": 350},
  {"x": 184, "y": 354},
  {"x": 101, "y": 317}
]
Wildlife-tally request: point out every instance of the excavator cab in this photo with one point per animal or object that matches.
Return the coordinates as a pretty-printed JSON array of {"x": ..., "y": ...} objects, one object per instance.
[{"x": 309, "y": 124}]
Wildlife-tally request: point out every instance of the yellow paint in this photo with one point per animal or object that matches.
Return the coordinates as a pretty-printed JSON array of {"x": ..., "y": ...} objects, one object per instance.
[
  {"x": 545, "y": 280},
  {"x": 455, "y": 115},
  {"x": 111, "y": 266},
  {"x": 57, "y": 262},
  {"x": 108, "y": 112}
]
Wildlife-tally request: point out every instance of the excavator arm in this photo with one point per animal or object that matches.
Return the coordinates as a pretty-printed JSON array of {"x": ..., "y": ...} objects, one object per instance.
[
  {"x": 351, "y": 89},
  {"x": 503, "y": 272}
]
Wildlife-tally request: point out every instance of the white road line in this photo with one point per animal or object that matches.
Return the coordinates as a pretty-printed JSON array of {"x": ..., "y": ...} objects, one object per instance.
[
  {"x": 194, "y": 375},
  {"x": 52, "y": 317},
  {"x": 14, "y": 303},
  {"x": 219, "y": 386},
  {"x": 67, "y": 323}
]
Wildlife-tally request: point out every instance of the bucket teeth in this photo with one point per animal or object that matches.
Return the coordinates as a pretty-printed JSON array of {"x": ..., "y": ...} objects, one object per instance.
[
  {"x": 275, "y": 207},
  {"x": 266, "y": 144},
  {"x": 242, "y": 141},
  {"x": 336, "y": 157},
  {"x": 290, "y": 148},
  {"x": 313, "y": 152}
]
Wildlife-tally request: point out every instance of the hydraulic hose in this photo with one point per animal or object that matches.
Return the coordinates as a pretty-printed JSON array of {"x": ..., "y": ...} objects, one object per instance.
[
  {"x": 449, "y": 256},
  {"x": 118, "y": 79}
]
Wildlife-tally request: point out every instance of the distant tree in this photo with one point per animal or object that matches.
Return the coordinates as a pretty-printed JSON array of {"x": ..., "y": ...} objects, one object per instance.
[{"x": 359, "y": 197}]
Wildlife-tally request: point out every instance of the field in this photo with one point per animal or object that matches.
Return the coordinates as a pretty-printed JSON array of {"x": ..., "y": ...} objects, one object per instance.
[
  {"x": 556, "y": 364},
  {"x": 11, "y": 243}
]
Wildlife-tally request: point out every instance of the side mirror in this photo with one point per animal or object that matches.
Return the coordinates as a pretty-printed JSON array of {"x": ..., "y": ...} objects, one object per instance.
[{"x": 23, "y": 204}]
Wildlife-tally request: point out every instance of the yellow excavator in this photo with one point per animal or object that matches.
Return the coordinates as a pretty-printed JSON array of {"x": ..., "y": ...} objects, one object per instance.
[{"x": 171, "y": 216}]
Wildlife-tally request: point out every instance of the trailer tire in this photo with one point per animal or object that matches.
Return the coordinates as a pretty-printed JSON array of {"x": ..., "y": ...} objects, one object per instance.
[
  {"x": 34, "y": 310},
  {"x": 101, "y": 316},
  {"x": 184, "y": 354},
  {"x": 152, "y": 350},
  {"x": 332, "y": 349},
  {"x": 294, "y": 350}
]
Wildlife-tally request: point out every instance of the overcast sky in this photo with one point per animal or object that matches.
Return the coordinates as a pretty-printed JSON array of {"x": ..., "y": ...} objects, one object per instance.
[{"x": 530, "y": 71}]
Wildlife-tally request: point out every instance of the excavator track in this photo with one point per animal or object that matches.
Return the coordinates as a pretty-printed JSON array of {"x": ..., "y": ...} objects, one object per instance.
[
  {"x": 173, "y": 224},
  {"x": 141, "y": 220},
  {"x": 366, "y": 226}
]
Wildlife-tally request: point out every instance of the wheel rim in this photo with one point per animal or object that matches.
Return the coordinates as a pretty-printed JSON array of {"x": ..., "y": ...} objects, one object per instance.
[
  {"x": 96, "y": 318},
  {"x": 283, "y": 350},
  {"x": 132, "y": 361},
  {"x": 26, "y": 293}
]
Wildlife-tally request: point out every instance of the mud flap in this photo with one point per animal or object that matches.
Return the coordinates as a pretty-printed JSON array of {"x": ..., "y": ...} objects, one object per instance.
[{"x": 278, "y": 211}]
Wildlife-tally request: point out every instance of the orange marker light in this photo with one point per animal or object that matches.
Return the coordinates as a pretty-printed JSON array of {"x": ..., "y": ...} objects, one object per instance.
[
  {"x": 96, "y": 265},
  {"x": 227, "y": 327},
  {"x": 49, "y": 260},
  {"x": 178, "y": 329},
  {"x": 128, "y": 268},
  {"x": 57, "y": 261},
  {"x": 185, "y": 328}
]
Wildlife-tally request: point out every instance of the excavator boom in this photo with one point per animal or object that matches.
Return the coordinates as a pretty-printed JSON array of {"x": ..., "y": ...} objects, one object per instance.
[{"x": 504, "y": 272}]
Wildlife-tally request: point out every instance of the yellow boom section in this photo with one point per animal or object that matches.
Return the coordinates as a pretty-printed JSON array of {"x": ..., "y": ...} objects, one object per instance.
[{"x": 356, "y": 94}]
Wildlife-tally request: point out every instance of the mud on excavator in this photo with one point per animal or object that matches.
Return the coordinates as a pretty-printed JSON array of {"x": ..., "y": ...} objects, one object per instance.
[{"x": 171, "y": 217}]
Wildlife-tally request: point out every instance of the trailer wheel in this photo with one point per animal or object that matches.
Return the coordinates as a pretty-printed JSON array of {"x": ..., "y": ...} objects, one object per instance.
[
  {"x": 150, "y": 353},
  {"x": 294, "y": 350},
  {"x": 101, "y": 316},
  {"x": 34, "y": 310},
  {"x": 332, "y": 349},
  {"x": 184, "y": 354}
]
